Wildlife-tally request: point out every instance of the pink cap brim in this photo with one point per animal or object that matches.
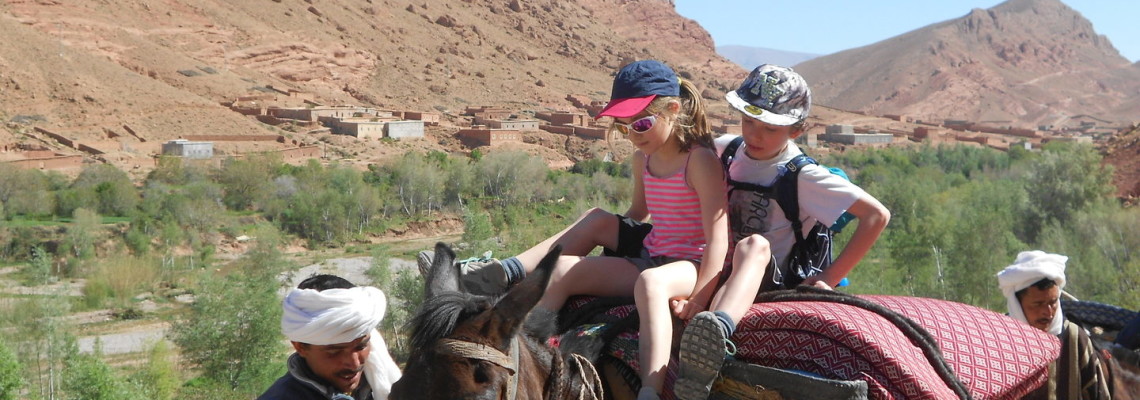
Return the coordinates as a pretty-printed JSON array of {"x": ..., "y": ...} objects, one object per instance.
[{"x": 625, "y": 108}]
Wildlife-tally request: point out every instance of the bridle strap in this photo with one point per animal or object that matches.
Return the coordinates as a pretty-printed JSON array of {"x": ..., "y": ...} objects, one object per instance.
[{"x": 477, "y": 351}]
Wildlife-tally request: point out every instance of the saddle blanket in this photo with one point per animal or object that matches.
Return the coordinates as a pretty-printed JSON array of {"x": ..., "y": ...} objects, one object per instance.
[{"x": 993, "y": 356}]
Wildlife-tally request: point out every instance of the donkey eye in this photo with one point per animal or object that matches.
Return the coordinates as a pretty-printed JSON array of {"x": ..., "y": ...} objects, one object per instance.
[{"x": 480, "y": 372}]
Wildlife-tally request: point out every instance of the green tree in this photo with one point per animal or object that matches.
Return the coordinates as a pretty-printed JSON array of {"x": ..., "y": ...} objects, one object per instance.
[
  {"x": 476, "y": 226},
  {"x": 232, "y": 334},
  {"x": 25, "y": 192},
  {"x": 44, "y": 342},
  {"x": 10, "y": 380},
  {"x": 1064, "y": 180},
  {"x": 38, "y": 270},
  {"x": 512, "y": 177},
  {"x": 87, "y": 377},
  {"x": 1103, "y": 246},
  {"x": 109, "y": 187},
  {"x": 405, "y": 295},
  {"x": 417, "y": 184},
  {"x": 247, "y": 182},
  {"x": 82, "y": 233},
  {"x": 159, "y": 378}
]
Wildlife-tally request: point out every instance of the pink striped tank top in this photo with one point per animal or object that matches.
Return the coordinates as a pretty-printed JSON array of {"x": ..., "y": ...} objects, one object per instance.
[{"x": 675, "y": 210}]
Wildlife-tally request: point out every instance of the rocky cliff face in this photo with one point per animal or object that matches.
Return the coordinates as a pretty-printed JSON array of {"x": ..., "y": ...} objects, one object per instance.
[{"x": 1025, "y": 62}]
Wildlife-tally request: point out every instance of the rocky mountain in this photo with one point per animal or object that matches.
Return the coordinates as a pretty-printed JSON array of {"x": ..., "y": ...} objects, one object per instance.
[
  {"x": 165, "y": 68},
  {"x": 1022, "y": 62},
  {"x": 749, "y": 57}
]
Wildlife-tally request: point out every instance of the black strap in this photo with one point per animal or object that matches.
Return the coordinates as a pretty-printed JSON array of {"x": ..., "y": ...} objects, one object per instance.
[
  {"x": 786, "y": 188},
  {"x": 912, "y": 330},
  {"x": 788, "y": 192}
]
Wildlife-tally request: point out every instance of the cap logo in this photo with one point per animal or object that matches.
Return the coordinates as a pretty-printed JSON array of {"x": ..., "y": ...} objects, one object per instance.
[
  {"x": 754, "y": 110},
  {"x": 768, "y": 90}
]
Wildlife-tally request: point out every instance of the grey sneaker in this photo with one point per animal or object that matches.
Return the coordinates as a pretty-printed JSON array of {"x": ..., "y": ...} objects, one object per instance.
[
  {"x": 423, "y": 260},
  {"x": 487, "y": 278},
  {"x": 703, "y": 349}
]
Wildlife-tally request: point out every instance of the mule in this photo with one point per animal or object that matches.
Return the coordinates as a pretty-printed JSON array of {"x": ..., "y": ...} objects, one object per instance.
[
  {"x": 466, "y": 346},
  {"x": 1123, "y": 366}
]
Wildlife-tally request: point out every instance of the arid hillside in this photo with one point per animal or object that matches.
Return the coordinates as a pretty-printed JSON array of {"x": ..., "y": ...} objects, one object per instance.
[
  {"x": 1023, "y": 62},
  {"x": 127, "y": 75},
  {"x": 164, "y": 68}
]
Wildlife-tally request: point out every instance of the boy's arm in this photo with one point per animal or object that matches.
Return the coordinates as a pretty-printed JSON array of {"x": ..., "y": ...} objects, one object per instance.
[
  {"x": 638, "y": 210},
  {"x": 871, "y": 218},
  {"x": 706, "y": 176}
]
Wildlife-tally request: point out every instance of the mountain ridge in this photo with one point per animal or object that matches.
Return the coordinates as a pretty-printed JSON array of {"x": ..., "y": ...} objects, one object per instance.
[
  {"x": 749, "y": 57},
  {"x": 1030, "y": 62}
]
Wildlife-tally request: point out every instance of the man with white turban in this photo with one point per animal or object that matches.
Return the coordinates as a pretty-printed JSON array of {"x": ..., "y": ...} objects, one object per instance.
[
  {"x": 1032, "y": 288},
  {"x": 340, "y": 355}
]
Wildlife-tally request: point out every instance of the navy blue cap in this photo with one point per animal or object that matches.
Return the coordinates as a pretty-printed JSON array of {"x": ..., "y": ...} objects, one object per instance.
[{"x": 637, "y": 84}]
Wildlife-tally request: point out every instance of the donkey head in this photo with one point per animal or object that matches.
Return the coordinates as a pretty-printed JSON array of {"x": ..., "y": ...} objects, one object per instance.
[{"x": 469, "y": 347}]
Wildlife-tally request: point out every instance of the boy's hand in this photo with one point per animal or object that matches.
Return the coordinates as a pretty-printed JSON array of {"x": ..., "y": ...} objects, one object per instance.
[{"x": 815, "y": 281}]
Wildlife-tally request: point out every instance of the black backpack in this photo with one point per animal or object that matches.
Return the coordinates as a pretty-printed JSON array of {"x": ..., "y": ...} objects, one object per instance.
[{"x": 812, "y": 254}]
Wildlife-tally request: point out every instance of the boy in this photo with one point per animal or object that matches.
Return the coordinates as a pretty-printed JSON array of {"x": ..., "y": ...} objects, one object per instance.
[{"x": 774, "y": 102}]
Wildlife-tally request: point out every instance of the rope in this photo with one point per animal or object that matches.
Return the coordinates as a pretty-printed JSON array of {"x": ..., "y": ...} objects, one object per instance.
[
  {"x": 919, "y": 336},
  {"x": 591, "y": 388},
  {"x": 475, "y": 351}
]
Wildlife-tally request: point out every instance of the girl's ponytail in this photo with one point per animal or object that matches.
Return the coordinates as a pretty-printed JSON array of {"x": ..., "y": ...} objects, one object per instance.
[{"x": 692, "y": 118}]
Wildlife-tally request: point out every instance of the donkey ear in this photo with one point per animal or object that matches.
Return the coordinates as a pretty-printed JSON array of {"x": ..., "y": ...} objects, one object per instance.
[
  {"x": 444, "y": 274},
  {"x": 513, "y": 308}
]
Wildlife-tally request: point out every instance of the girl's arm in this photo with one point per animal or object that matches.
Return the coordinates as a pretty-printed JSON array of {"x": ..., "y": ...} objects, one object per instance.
[
  {"x": 871, "y": 218},
  {"x": 706, "y": 176},
  {"x": 638, "y": 210}
]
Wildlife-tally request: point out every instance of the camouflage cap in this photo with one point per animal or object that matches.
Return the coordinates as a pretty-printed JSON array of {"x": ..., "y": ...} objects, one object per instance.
[{"x": 773, "y": 94}]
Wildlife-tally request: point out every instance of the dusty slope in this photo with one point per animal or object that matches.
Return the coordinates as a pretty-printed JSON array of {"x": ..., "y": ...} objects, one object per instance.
[
  {"x": 86, "y": 69},
  {"x": 164, "y": 68},
  {"x": 1025, "y": 62}
]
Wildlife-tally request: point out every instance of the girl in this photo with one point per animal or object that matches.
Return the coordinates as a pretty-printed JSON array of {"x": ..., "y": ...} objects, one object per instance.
[{"x": 679, "y": 181}]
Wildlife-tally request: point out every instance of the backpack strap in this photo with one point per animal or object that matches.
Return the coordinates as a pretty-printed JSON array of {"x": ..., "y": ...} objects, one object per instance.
[
  {"x": 726, "y": 158},
  {"x": 787, "y": 192},
  {"x": 786, "y": 187},
  {"x": 730, "y": 152}
]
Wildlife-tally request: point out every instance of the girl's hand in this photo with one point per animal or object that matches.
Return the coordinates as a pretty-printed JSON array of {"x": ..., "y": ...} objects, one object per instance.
[{"x": 685, "y": 309}]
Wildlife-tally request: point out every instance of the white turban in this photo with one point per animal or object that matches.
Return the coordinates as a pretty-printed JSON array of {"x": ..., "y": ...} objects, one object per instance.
[
  {"x": 333, "y": 316},
  {"x": 1030, "y": 267}
]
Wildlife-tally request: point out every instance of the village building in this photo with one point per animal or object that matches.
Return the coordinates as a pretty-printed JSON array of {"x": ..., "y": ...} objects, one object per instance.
[
  {"x": 358, "y": 128},
  {"x": 488, "y": 112},
  {"x": 485, "y": 136},
  {"x": 564, "y": 118},
  {"x": 845, "y": 134},
  {"x": 404, "y": 129},
  {"x": 810, "y": 140},
  {"x": 187, "y": 149},
  {"x": 516, "y": 124},
  {"x": 38, "y": 157},
  {"x": 316, "y": 113},
  {"x": 428, "y": 118}
]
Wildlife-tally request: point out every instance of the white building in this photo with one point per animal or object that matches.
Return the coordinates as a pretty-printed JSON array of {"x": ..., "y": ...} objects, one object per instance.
[{"x": 187, "y": 149}]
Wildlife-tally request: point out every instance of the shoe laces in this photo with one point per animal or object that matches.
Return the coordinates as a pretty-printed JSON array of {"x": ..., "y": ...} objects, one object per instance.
[
  {"x": 729, "y": 347},
  {"x": 482, "y": 259}
]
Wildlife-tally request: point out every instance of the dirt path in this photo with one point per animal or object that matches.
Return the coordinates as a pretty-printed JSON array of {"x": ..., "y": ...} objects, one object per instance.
[{"x": 138, "y": 339}]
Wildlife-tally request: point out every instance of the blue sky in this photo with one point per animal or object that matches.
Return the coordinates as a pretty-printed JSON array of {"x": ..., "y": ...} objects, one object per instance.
[{"x": 828, "y": 26}]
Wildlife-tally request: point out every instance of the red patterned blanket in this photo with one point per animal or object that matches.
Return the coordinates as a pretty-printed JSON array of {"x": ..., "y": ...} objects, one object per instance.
[{"x": 992, "y": 356}]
